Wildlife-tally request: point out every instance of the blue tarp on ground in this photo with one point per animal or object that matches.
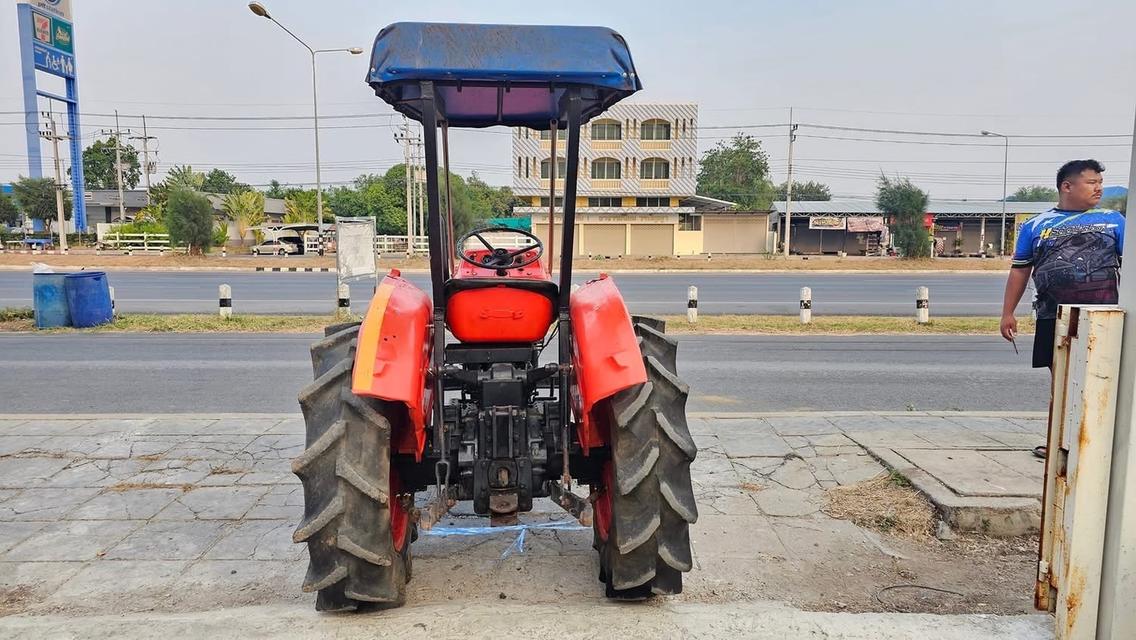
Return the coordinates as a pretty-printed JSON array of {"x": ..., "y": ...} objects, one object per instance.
[{"x": 512, "y": 75}]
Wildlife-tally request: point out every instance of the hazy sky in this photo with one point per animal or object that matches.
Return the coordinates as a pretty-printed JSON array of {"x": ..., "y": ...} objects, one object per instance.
[{"x": 1030, "y": 67}]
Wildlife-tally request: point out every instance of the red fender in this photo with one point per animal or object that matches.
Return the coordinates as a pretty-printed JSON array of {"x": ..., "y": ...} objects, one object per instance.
[
  {"x": 605, "y": 354},
  {"x": 392, "y": 357}
]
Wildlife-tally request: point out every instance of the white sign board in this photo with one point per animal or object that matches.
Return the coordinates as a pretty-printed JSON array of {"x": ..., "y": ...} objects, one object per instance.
[
  {"x": 355, "y": 247},
  {"x": 57, "y": 8}
]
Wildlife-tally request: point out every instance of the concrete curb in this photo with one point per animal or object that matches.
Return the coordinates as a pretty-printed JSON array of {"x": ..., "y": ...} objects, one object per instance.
[{"x": 995, "y": 516}]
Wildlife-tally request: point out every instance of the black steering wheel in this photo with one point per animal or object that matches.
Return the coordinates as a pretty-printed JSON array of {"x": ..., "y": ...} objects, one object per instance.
[{"x": 500, "y": 258}]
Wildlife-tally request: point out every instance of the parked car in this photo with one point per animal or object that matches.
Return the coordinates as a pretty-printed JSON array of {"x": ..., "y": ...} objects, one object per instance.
[{"x": 275, "y": 248}]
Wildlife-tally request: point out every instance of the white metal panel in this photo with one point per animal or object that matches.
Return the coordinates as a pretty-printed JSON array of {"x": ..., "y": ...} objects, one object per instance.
[
  {"x": 1077, "y": 467},
  {"x": 355, "y": 247}
]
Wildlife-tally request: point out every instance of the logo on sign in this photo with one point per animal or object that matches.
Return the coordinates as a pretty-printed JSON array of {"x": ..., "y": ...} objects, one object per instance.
[
  {"x": 42, "y": 26},
  {"x": 62, "y": 35},
  {"x": 52, "y": 61}
]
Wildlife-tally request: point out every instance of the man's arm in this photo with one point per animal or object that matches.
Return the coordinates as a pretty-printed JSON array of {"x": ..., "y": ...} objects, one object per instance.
[{"x": 1015, "y": 288}]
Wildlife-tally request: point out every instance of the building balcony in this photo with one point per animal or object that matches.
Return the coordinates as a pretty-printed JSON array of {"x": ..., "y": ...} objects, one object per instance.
[
  {"x": 655, "y": 184},
  {"x": 607, "y": 184},
  {"x": 655, "y": 145},
  {"x": 607, "y": 145},
  {"x": 545, "y": 184},
  {"x": 561, "y": 143}
]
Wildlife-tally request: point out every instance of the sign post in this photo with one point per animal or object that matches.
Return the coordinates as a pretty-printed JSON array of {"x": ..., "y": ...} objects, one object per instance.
[{"x": 47, "y": 44}]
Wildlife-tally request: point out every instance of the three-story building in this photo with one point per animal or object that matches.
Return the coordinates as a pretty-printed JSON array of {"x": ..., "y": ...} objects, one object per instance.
[{"x": 637, "y": 175}]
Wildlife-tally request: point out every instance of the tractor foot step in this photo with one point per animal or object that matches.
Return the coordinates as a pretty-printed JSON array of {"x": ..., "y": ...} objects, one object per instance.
[{"x": 580, "y": 508}]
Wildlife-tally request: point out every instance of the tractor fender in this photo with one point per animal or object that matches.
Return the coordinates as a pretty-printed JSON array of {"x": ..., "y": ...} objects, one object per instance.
[
  {"x": 605, "y": 354},
  {"x": 392, "y": 357}
]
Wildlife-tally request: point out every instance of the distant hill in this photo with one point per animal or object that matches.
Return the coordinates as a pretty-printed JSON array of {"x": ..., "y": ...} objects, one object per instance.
[{"x": 1114, "y": 192}]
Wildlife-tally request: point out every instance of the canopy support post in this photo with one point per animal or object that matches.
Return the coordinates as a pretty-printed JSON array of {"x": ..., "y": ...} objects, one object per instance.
[
  {"x": 564, "y": 332},
  {"x": 435, "y": 236}
]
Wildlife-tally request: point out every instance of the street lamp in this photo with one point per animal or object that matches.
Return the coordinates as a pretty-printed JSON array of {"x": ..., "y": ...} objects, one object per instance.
[
  {"x": 259, "y": 9},
  {"x": 1005, "y": 168}
]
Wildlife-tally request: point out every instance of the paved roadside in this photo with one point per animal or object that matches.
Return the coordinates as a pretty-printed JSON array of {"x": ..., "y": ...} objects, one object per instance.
[{"x": 143, "y": 525}]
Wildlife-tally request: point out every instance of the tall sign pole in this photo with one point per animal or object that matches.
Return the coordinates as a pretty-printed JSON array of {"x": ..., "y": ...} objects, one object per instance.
[
  {"x": 53, "y": 134},
  {"x": 47, "y": 45}
]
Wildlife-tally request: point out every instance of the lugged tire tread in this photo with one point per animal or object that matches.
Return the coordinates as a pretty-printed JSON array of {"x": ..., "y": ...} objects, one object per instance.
[
  {"x": 653, "y": 501},
  {"x": 345, "y": 471}
]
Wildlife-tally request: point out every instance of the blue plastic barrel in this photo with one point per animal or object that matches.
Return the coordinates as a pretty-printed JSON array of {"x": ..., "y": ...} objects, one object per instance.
[
  {"x": 49, "y": 301},
  {"x": 88, "y": 295}
]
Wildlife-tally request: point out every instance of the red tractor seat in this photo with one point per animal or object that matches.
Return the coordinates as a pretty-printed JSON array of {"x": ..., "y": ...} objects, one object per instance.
[{"x": 500, "y": 309}]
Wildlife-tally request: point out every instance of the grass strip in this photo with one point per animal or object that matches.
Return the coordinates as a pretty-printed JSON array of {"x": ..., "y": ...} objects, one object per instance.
[{"x": 22, "y": 320}]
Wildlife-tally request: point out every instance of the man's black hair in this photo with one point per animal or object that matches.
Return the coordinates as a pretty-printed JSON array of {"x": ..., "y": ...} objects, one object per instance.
[{"x": 1075, "y": 167}]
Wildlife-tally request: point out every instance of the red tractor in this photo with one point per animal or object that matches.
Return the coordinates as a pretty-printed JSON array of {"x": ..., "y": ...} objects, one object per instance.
[{"x": 446, "y": 389}]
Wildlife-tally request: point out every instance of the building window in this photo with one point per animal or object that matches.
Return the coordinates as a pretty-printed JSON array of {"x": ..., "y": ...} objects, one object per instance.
[
  {"x": 559, "y": 201},
  {"x": 654, "y": 169},
  {"x": 546, "y": 134},
  {"x": 689, "y": 222},
  {"x": 546, "y": 168},
  {"x": 528, "y": 166},
  {"x": 607, "y": 130},
  {"x": 605, "y": 202},
  {"x": 605, "y": 169},
  {"x": 655, "y": 130},
  {"x": 653, "y": 202},
  {"x": 518, "y": 166}
]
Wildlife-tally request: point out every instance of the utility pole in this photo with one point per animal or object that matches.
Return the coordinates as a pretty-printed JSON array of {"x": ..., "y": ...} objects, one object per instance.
[
  {"x": 147, "y": 168},
  {"x": 789, "y": 183},
  {"x": 407, "y": 140},
  {"x": 420, "y": 185},
  {"x": 117, "y": 134},
  {"x": 52, "y": 134}
]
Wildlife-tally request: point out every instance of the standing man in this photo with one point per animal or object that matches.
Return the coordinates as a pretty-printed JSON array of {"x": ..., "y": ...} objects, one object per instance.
[{"x": 1073, "y": 252}]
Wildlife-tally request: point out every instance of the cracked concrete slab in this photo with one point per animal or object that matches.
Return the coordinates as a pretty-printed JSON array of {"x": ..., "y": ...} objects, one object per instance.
[
  {"x": 131, "y": 504},
  {"x": 168, "y": 540},
  {"x": 71, "y": 541}
]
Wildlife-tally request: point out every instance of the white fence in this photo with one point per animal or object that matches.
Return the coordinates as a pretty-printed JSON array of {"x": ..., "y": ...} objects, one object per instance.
[{"x": 159, "y": 242}]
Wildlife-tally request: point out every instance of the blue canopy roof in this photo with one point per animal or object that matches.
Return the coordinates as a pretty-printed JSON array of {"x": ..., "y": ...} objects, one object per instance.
[{"x": 511, "y": 75}]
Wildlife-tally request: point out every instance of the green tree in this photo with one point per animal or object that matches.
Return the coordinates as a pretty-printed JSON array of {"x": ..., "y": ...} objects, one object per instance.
[
  {"x": 98, "y": 166},
  {"x": 246, "y": 208},
  {"x": 8, "y": 211},
  {"x": 274, "y": 190},
  {"x": 737, "y": 171},
  {"x": 803, "y": 191},
  {"x": 369, "y": 197},
  {"x": 300, "y": 206},
  {"x": 1035, "y": 193},
  {"x": 183, "y": 176},
  {"x": 36, "y": 198},
  {"x": 222, "y": 182},
  {"x": 906, "y": 204},
  {"x": 497, "y": 201},
  {"x": 189, "y": 216}
]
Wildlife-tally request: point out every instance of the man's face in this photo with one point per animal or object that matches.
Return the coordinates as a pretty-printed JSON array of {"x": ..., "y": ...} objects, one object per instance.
[{"x": 1083, "y": 191}]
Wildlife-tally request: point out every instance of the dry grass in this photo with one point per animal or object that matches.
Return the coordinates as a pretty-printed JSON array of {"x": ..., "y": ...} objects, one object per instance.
[
  {"x": 840, "y": 325},
  {"x": 694, "y": 263},
  {"x": 194, "y": 323},
  {"x": 885, "y": 503},
  {"x": 21, "y": 320}
]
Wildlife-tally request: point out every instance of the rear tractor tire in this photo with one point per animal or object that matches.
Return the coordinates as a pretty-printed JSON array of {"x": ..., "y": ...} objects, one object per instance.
[
  {"x": 357, "y": 532},
  {"x": 647, "y": 503}
]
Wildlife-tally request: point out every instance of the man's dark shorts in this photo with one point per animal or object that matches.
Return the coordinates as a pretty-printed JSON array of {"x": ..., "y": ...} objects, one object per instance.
[{"x": 1043, "y": 343}]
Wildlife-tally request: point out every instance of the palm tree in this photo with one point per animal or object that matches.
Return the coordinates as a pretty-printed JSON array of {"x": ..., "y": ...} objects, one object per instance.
[
  {"x": 246, "y": 209},
  {"x": 184, "y": 177},
  {"x": 301, "y": 207}
]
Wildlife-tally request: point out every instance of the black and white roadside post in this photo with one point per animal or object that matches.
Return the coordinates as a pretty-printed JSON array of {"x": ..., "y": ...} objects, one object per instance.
[
  {"x": 225, "y": 301},
  {"x": 806, "y": 305},
  {"x": 692, "y": 304},
  {"x": 343, "y": 299},
  {"x": 922, "y": 305}
]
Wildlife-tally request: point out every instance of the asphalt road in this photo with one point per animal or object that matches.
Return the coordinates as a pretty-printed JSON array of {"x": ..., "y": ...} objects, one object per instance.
[
  {"x": 139, "y": 373},
  {"x": 770, "y": 293}
]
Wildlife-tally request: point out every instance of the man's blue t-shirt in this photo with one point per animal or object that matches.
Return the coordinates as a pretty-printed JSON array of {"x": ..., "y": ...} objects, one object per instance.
[{"x": 1075, "y": 257}]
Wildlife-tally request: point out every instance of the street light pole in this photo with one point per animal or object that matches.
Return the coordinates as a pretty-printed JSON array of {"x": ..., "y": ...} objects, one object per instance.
[
  {"x": 1005, "y": 174},
  {"x": 259, "y": 9}
]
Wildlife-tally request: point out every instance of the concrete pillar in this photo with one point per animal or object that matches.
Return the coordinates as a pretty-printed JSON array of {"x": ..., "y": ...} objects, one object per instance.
[
  {"x": 806, "y": 305},
  {"x": 692, "y": 304},
  {"x": 922, "y": 305}
]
